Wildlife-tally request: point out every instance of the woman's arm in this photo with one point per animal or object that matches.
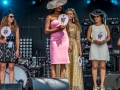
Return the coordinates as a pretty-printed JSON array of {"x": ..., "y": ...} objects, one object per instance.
[
  {"x": 89, "y": 34},
  {"x": 108, "y": 35},
  {"x": 79, "y": 47},
  {"x": 47, "y": 26},
  {"x": 78, "y": 42},
  {"x": 17, "y": 40},
  {"x": 118, "y": 43},
  {"x": 2, "y": 40}
]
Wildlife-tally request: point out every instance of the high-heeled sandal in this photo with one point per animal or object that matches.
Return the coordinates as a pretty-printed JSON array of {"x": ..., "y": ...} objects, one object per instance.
[{"x": 102, "y": 89}]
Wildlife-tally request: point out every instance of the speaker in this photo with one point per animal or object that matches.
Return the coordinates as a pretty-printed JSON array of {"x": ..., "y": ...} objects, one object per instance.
[
  {"x": 88, "y": 81},
  {"x": 50, "y": 84},
  {"x": 112, "y": 80},
  {"x": 10, "y": 87},
  {"x": 113, "y": 61}
]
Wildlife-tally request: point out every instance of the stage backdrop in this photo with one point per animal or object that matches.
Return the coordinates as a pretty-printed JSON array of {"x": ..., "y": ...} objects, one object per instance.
[{"x": 31, "y": 19}]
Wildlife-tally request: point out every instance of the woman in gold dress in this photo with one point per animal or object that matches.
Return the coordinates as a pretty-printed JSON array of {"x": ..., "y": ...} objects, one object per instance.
[{"x": 73, "y": 70}]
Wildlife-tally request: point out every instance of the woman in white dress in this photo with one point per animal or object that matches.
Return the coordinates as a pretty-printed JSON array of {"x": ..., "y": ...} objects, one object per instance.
[{"x": 98, "y": 35}]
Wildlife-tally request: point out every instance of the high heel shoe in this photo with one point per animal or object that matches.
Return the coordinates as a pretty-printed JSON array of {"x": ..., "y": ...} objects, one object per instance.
[{"x": 102, "y": 89}]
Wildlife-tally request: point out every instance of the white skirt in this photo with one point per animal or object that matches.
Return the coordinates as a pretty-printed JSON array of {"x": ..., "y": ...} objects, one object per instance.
[{"x": 99, "y": 52}]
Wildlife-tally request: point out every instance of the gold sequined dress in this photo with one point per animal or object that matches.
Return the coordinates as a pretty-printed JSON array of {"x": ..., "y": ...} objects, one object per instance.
[{"x": 73, "y": 70}]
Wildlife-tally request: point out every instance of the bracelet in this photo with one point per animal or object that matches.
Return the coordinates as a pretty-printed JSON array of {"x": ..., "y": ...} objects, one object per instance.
[
  {"x": 17, "y": 51},
  {"x": 105, "y": 41},
  {"x": 92, "y": 40}
]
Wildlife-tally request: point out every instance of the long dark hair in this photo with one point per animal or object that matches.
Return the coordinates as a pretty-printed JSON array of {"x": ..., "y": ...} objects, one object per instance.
[{"x": 102, "y": 16}]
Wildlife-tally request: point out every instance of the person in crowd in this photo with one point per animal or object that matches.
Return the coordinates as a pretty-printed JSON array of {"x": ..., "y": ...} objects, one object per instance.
[
  {"x": 98, "y": 35},
  {"x": 59, "y": 41},
  {"x": 73, "y": 70},
  {"x": 9, "y": 47}
]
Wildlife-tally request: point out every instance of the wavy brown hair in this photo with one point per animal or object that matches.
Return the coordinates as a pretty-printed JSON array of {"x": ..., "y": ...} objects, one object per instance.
[
  {"x": 76, "y": 21},
  {"x": 4, "y": 22}
]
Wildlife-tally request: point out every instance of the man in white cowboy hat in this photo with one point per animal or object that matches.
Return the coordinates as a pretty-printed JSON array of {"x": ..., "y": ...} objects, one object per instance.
[
  {"x": 59, "y": 41},
  {"x": 99, "y": 50}
]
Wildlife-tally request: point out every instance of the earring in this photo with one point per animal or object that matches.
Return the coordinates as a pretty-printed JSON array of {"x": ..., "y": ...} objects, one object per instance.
[{"x": 73, "y": 20}]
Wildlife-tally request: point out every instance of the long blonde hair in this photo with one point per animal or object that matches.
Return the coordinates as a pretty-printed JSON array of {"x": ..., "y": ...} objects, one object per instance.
[
  {"x": 4, "y": 22},
  {"x": 76, "y": 21}
]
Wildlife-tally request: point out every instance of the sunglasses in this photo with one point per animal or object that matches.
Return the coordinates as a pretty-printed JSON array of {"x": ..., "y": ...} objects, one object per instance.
[{"x": 11, "y": 16}]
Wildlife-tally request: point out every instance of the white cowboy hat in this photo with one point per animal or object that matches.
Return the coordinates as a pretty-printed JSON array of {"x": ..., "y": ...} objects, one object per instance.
[{"x": 56, "y": 3}]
